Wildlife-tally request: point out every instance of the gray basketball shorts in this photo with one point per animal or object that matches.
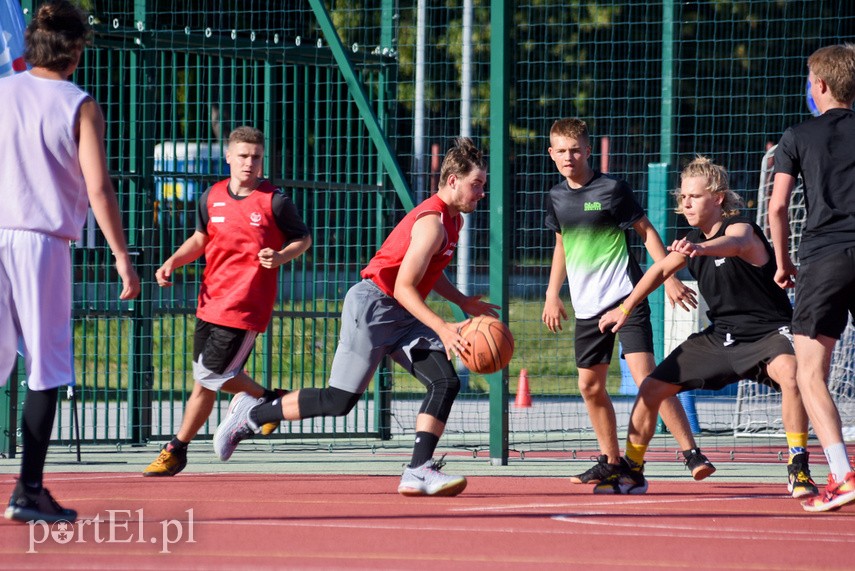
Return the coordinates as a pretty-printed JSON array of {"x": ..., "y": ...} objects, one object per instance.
[{"x": 374, "y": 325}]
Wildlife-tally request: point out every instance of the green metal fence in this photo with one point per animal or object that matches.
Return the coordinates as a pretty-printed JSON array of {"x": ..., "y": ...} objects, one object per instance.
[{"x": 358, "y": 100}]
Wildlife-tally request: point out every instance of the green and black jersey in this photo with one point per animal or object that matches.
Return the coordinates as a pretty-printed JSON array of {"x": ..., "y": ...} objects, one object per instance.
[{"x": 593, "y": 221}]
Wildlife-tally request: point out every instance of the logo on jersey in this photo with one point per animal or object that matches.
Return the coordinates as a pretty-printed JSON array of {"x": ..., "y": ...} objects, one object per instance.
[
  {"x": 255, "y": 219},
  {"x": 593, "y": 206},
  {"x": 450, "y": 250},
  {"x": 719, "y": 262}
]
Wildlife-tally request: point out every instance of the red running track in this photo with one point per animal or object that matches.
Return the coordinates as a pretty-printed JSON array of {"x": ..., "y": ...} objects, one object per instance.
[{"x": 263, "y": 521}]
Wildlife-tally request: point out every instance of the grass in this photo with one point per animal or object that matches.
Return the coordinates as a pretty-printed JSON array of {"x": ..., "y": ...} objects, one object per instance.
[{"x": 300, "y": 351}]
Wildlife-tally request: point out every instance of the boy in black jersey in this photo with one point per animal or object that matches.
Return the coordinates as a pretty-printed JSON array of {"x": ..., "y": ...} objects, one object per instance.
[
  {"x": 822, "y": 151},
  {"x": 591, "y": 214},
  {"x": 749, "y": 337}
]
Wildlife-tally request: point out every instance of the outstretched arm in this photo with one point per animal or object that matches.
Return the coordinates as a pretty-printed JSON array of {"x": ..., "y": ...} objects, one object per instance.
[
  {"x": 677, "y": 292},
  {"x": 739, "y": 241},
  {"x": 470, "y": 304},
  {"x": 190, "y": 250},
  {"x": 427, "y": 237},
  {"x": 652, "y": 279}
]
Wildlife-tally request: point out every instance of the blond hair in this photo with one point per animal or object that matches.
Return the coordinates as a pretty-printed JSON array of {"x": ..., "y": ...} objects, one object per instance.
[
  {"x": 835, "y": 65},
  {"x": 717, "y": 184}
]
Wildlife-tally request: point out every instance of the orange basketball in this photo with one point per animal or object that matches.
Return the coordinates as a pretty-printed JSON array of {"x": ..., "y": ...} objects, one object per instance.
[{"x": 491, "y": 345}]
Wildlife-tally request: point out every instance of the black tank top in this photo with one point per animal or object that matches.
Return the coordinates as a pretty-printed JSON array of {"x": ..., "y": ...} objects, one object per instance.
[{"x": 745, "y": 302}]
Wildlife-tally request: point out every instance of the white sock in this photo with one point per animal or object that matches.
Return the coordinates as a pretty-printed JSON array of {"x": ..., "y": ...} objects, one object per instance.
[{"x": 838, "y": 461}]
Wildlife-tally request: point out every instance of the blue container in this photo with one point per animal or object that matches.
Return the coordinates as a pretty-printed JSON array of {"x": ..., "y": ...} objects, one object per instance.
[{"x": 190, "y": 158}]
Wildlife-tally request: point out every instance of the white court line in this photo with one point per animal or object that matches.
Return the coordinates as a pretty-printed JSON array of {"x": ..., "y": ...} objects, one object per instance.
[
  {"x": 626, "y": 502},
  {"x": 607, "y": 529}
]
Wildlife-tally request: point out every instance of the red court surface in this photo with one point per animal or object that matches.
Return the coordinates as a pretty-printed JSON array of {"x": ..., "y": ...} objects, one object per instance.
[{"x": 263, "y": 521}]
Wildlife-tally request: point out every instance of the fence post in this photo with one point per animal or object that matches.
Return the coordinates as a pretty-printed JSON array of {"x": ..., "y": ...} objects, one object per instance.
[
  {"x": 500, "y": 23},
  {"x": 141, "y": 237}
]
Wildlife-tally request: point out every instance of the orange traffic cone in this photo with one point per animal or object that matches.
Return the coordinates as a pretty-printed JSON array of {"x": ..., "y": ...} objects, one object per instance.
[{"x": 523, "y": 395}]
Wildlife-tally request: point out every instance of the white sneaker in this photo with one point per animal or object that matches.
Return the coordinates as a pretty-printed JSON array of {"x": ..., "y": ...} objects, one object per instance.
[
  {"x": 428, "y": 480},
  {"x": 236, "y": 426}
]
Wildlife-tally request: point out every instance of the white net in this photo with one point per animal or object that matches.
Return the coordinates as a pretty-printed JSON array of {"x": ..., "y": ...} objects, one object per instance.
[{"x": 758, "y": 408}]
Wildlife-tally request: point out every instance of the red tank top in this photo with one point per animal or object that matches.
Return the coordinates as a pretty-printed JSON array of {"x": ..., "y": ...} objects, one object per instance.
[
  {"x": 236, "y": 290},
  {"x": 383, "y": 267}
]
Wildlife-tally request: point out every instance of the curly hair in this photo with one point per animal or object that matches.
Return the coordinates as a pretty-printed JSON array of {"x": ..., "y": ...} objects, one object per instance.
[{"x": 461, "y": 159}]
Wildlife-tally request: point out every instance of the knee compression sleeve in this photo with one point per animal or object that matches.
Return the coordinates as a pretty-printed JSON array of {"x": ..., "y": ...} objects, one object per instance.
[
  {"x": 329, "y": 401},
  {"x": 435, "y": 372}
]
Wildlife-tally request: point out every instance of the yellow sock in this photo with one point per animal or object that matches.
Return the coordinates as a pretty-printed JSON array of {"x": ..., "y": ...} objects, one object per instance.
[
  {"x": 797, "y": 444},
  {"x": 635, "y": 453}
]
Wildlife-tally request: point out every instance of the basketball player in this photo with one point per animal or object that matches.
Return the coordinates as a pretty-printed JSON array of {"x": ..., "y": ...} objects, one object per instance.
[
  {"x": 749, "y": 337},
  {"x": 246, "y": 228},
  {"x": 386, "y": 314},
  {"x": 53, "y": 164},
  {"x": 822, "y": 151},
  {"x": 590, "y": 213}
]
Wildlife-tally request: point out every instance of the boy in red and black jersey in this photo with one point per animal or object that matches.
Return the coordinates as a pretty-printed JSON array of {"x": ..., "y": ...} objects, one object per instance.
[{"x": 246, "y": 228}]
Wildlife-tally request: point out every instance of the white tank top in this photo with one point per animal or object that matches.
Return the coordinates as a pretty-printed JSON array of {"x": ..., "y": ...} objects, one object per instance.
[{"x": 41, "y": 185}]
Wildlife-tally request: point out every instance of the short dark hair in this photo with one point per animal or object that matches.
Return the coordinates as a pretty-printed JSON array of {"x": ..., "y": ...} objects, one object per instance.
[
  {"x": 570, "y": 127},
  {"x": 247, "y": 134},
  {"x": 56, "y": 36},
  {"x": 461, "y": 159}
]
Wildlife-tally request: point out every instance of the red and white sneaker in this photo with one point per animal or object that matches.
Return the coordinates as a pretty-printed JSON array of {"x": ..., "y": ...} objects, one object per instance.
[{"x": 836, "y": 495}]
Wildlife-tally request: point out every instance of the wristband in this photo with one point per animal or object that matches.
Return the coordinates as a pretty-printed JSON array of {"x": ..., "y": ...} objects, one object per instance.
[{"x": 623, "y": 310}]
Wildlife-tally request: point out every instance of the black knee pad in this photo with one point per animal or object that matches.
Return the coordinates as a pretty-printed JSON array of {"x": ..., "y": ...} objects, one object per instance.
[
  {"x": 329, "y": 401},
  {"x": 435, "y": 372}
]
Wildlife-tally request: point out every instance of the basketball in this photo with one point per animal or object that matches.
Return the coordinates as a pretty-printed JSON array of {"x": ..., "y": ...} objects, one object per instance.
[{"x": 491, "y": 345}]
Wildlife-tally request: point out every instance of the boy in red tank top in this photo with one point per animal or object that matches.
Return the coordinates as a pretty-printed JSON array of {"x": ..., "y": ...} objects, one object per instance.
[
  {"x": 386, "y": 314},
  {"x": 246, "y": 228}
]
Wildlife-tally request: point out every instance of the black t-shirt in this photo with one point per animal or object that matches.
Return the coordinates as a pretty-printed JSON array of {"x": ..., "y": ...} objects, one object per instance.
[
  {"x": 284, "y": 211},
  {"x": 822, "y": 151},
  {"x": 744, "y": 300}
]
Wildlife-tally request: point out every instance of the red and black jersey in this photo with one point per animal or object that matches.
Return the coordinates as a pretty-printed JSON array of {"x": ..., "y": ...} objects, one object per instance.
[
  {"x": 236, "y": 290},
  {"x": 383, "y": 267}
]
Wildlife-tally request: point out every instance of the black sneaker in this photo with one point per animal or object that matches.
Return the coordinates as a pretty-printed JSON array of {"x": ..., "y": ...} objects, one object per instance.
[
  {"x": 799, "y": 482},
  {"x": 596, "y": 473},
  {"x": 34, "y": 506},
  {"x": 629, "y": 480},
  {"x": 695, "y": 461}
]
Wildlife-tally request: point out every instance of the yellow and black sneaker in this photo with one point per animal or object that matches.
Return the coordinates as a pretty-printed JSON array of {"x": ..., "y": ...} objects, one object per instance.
[
  {"x": 799, "y": 482},
  {"x": 170, "y": 462},
  {"x": 628, "y": 480}
]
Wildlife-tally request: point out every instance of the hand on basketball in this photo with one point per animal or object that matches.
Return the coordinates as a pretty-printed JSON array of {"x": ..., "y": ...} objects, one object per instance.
[
  {"x": 472, "y": 305},
  {"x": 455, "y": 344}
]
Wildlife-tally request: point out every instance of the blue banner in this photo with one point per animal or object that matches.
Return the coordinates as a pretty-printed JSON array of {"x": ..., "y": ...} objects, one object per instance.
[{"x": 12, "y": 27}]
